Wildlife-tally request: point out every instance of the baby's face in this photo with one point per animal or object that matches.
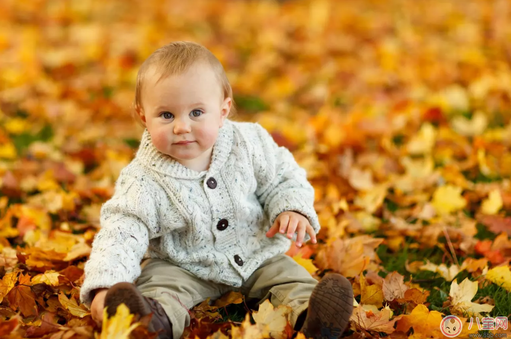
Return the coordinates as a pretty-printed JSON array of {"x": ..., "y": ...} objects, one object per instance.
[{"x": 183, "y": 114}]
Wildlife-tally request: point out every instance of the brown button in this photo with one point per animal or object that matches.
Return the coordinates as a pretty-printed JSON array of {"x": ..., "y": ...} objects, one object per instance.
[
  {"x": 211, "y": 183},
  {"x": 238, "y": 260},
  {"x": 222, "y": 224}
]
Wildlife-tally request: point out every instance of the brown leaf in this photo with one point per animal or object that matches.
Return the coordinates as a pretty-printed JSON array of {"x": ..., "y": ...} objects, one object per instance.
[
  {"x": 48, "y": 325},
  {"x": 21, "y": 297},
  {"x": 496, "y": 223}
]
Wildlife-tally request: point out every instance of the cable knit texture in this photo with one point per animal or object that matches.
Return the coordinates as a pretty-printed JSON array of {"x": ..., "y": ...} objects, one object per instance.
[{"x": 162, "y": 209}]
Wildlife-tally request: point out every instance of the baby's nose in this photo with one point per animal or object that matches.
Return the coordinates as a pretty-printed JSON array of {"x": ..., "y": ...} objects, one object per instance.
[{"x": 181, "y": 126}]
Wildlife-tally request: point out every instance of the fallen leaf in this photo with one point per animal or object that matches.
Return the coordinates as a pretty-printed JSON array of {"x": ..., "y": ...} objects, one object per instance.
[
  {"x": 448, "y": 199},
  {"x": 72, "y": 306},
  {"x": 493, "y": 204},
  {"x": 500, "y": 276},
  {"x": 119, "y": 326},
  {"x": 272, "y": 321},
  {"x": 461, "y": 299}
]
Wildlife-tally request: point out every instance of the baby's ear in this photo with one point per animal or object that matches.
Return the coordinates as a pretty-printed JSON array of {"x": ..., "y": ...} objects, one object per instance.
[
  {"x": 138, "y": 113},
  {"x": 226, "y": 108}
]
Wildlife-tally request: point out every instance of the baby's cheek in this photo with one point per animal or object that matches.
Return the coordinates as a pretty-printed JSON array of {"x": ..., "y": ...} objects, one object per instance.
[
  {"x": 160, "y": 141},
  {"x": 208, "y": 136}
]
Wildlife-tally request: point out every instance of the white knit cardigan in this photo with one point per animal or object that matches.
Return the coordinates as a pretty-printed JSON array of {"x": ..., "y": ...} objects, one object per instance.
[{"x": 211, "y": 223}]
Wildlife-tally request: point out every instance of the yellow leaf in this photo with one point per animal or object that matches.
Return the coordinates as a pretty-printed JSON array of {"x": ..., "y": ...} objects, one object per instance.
[
  {"x": 7, "y": 283},
  {"x": 16, "y": 126},
  {"x": 461, "y": 298},
  {"x": 423, "y": 321},
  {"x": 272, "y": 321},
  {"x": 306, "y": 263},
  {"x": 493, "y": 204},
  {"x": 372, "y": 199},
  {"x": 119, "y": 326},
  {"x": 7, "y": 151},
  {"x": 424, "y": 141},
  {"x": 447, "y": 199},
  {"x": 72, "y": 306},
  {"x": 370, "y": 294},
  {"x": 470, "y": 127},
  {"x": 500, "y": 276},
  {"x": 49, "y": 278}
]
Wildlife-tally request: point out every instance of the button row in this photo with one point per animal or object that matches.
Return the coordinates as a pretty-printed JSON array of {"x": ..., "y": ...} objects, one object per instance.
[{"x": 223, "y": 223}]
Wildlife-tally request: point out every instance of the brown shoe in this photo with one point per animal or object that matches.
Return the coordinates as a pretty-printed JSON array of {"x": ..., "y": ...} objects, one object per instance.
[
  {"x": 138, "y": 304},
  {"x": 330, "y": 308}
]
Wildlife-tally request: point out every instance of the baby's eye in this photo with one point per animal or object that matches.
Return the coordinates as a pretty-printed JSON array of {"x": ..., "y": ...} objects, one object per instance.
[
  {"x": 167, "y": 115},
  {"x": 196, "y": 113}
]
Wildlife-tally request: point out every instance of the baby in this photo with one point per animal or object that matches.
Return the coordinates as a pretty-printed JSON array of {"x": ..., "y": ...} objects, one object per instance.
[{"x": 211, "y": 205}]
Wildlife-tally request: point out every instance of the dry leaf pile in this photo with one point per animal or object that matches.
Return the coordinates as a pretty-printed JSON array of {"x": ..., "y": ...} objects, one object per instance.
[{"x": 399, "y": 110}]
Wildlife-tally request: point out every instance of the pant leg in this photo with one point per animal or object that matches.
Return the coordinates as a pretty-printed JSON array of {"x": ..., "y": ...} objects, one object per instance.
[
  {"x": 284, "y": 281},
  {"x": 176, "y": 289}
]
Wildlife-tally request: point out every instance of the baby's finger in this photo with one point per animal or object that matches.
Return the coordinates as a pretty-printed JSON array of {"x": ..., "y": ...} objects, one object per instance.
[
  {"x": 301, "y": 234},
  {"x": 284, "y": 220},
  {"x": 312, "y": 234},
  {"x": 291, "y": 228},
  {"x": 273, "y": 230}
]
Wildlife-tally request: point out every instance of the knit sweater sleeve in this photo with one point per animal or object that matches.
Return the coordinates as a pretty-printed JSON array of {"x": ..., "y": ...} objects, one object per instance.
[
  {"x": 123, "y": 238},
  {"x": 281, "y": 183}
]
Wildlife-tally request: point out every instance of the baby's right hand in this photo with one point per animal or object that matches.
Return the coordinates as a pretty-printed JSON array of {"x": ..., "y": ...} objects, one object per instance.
[{"x": 97, "y": 306}]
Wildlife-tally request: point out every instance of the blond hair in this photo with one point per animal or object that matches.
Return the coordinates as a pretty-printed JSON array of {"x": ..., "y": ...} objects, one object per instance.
[{"x": 175, "y": 58}]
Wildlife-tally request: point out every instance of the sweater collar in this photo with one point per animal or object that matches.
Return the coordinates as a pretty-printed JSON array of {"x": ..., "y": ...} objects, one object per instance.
[{"x": 153, "y": 159}]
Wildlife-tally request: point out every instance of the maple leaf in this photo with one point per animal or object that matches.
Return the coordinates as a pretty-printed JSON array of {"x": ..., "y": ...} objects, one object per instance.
[
  {"x": 500, "y": 276},
  {"x": 7, "y": 283},
  {"x": 461, "y": 298},
  {"x": 49, "y": 278},
  {"x": 72, "y": 306},
  {"x": 273, "y": 322},
  {"x": 21, "y": 297},
  {"x": 370, "y": 294},
  {"x": 369, "y": 321},
  {"x": 448, "y": 273},
  {"x": 394, "y": 286},
  {"x": 349, "y": 257},
  {"x": 119, "y": 326}
]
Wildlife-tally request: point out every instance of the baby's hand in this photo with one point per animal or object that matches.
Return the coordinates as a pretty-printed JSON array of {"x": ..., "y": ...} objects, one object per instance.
[
  {"x": 292, "y": 221},
  {"x": 97, "y": 306}
]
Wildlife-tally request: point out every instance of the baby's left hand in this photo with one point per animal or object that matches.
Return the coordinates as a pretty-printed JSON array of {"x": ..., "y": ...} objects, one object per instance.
[{"x": 292, "y": 221}]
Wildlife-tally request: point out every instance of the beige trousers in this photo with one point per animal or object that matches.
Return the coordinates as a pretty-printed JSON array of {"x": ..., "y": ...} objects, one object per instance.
[{"x": 280, "y": 278}]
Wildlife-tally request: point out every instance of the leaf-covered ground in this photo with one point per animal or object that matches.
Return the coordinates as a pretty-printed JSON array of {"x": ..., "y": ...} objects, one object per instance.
[{"x": 399, "y": 110}]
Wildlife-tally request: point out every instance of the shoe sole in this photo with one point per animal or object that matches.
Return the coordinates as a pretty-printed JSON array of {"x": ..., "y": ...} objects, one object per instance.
[
  {"x": 126, "y": 293},
  {"x": 330, "y": 308}
]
